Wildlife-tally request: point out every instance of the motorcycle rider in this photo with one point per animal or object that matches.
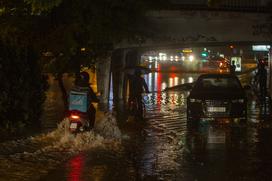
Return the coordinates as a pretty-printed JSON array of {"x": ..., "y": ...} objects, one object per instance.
[
  {"x": 232, "y": 67},
  {"x": 83, "y": 82},
  {"x": 137, "y": 87},
  {"x": 261, "y": 78}
]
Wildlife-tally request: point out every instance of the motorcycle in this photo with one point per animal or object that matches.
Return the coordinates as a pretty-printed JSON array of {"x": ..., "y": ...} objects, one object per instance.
[
  {"x": 78, "y": 122},
  {"x": 81, "y": 114},
  {"x": 135, "y": 109}
]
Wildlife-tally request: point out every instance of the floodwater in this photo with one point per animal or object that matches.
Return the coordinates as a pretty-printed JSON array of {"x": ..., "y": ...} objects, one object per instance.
[{"x": 159, "y": 148}]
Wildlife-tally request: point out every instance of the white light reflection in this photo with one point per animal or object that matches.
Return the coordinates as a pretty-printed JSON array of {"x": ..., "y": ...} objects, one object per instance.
[
  {"x": 171, "y": 82},
  {"x": 162, "y": 56},
  {"x": 182, "y": 98},
  {"x": 176, "y": 58},
  {"x": 164, "y": 85},
  {"x": 156, "y": 81},
  {"x": 182, "y": 81},
  {"x": 163, "y": 96},
  {"x": 176, "y": 81},
  {"x": 191, "y": 58},
  {"x": 146, "y": 80},
  {"x": 175, "y": 99},
  {"x": 156, "y": 64},
  {"x": 190, "y": 79},
  {"x": 150, "y": 81}
]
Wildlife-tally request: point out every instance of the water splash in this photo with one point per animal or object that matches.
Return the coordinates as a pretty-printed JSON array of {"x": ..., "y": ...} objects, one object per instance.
[{"x": 31, "y": 158}]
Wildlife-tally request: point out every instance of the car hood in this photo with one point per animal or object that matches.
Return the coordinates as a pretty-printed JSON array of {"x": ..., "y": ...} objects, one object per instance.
[{"x": 211, "y": 94}]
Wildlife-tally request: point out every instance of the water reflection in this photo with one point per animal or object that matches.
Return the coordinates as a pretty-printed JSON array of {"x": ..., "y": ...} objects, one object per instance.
[
  {"x": 216, "y": 151},
  {"x": 75, "y": 167},
  {"x": 166, "y": 98},
  {"x": 190, "y": 79},
  {"x": 163, "y": 148},
  {"x": 158, "y": 81}
]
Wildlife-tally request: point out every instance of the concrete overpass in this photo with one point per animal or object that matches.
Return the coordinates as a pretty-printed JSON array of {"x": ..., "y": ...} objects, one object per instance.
[
  {"x": 185, "y": 28},
  {"x": 172, "y": 28}
]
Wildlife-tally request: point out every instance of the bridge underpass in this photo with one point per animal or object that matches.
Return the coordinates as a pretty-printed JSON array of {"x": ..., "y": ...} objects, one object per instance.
[{"x": 177, "y": 29}]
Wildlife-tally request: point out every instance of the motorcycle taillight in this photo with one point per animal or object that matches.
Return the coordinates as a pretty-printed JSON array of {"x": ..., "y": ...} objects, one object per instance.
[{"x": 73, "y": 116}]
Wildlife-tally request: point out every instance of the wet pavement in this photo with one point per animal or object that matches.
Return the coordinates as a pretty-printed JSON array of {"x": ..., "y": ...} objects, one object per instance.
[{"x": 161, "y": 147}]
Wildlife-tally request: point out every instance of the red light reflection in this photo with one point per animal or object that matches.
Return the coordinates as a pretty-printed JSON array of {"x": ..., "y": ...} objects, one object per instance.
[
  {"x": 159, "y": 82},
  {"x": 173, "y": 69},
  {"x": 75, "y": 166}
]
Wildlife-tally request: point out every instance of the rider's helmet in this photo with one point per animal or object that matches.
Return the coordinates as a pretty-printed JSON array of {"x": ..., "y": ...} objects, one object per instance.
[{"x": 84, "y": 76}]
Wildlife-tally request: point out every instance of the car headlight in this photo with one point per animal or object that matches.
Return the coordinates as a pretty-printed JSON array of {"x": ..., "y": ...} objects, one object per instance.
[
  {"x": 191, "y": 58},
  {"x": 195, "y": 100},
  {"x": 238, "y": 101}
]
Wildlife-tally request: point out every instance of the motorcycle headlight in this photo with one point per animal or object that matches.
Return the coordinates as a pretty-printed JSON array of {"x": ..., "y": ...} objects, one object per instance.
[
  {"x": 238, "y": 101},
  {"x": 195, "y": 100}
]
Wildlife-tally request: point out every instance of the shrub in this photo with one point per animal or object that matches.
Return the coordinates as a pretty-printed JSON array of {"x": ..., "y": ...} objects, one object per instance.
[{"x": 22, "y": 87}]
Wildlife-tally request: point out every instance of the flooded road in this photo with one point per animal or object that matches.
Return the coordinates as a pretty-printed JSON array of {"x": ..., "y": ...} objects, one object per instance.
[{"x": 159, "y": 148}]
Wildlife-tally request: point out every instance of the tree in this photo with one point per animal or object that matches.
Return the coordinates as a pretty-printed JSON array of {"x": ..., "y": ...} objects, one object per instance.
[
  {"x": 97, "y": 25},
  {"x": 22, "y": 82},
  {"x": 62, "y": 27},
  {"x": 22, "y": 87}
]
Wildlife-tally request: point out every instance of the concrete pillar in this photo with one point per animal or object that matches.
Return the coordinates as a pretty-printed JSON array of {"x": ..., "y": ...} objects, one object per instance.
[
  {"x": 117, "y": 66},
  {"x": 270, "y": 72},
  {"x": 133, "y": 58},
  {"x": 103, "y": 68},
  {"x": 120, "y": 59}
]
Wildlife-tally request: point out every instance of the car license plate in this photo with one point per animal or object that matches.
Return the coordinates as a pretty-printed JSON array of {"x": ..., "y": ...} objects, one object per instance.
[
  {"x": 216, "y": 109},
  {"x": 216, "y": 136},
  {"x": 73, "y": 125}
]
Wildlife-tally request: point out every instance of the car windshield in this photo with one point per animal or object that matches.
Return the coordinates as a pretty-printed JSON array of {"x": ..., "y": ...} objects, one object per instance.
[{"x": 218, "y": 83}]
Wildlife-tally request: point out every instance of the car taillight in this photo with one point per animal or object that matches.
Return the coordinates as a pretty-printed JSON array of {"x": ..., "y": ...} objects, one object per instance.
[{"x": 74, "y": 116}]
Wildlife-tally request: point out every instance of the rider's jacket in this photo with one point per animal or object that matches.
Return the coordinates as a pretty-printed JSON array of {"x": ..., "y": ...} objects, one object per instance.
[{"x": 137, "y": 86}]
